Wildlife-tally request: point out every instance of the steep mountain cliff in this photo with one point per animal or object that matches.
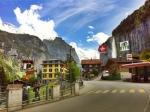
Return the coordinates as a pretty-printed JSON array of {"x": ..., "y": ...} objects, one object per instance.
[
  {"x": 136, "y": 30},
  {"x": 59, "y": 49},
  {"x": 32, "y": 47}
]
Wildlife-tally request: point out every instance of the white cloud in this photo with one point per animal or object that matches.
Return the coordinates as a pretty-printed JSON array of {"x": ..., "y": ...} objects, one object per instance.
[
  {"x": 7, "y": 27},
  {"x": 31, "y": 23},
  {"x": 91, "y": 27},
  {"x": 85, "y": 53},
  {"x": 90, "y": 10},
  {"x": 99, "y": 38}
]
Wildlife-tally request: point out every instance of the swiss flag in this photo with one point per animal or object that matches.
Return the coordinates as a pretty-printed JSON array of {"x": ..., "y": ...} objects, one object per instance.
[{"x": 102, "y": 48}]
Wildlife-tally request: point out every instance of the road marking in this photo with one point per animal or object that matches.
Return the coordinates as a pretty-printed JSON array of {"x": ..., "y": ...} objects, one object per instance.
[
  {"x": 99, "y": 91},
  {"x": 106, "y": 91},
  {"x": 90, "y": 92},
  {"x": 122, "y": 91},
  {"x": 114, "y": 91},
  {"x": 131, "y": 91},
  {"x": 141, "y": 91}
]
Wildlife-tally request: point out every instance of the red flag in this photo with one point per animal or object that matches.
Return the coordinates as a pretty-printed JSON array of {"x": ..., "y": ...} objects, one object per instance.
[{"x": 102, "y": 48}]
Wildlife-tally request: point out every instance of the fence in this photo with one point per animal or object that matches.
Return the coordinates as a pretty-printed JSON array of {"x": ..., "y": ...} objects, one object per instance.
[
  {"x": 37, "y": 94},
  {"x": 16, "y": 97},
  {"x": 3, "y": 98},
  {"x": 66, "y": 90},
  {"x": 45, "y": 93}
]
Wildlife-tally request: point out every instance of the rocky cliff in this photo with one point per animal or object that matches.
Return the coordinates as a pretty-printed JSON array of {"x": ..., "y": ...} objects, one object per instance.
[
  {"x": 135, "y": 29},
  {"x": 59, "y": 49},
  {"x": 32, "y": 47}
]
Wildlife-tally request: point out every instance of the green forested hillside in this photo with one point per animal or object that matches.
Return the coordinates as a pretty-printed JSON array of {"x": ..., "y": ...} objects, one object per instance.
[{"x": 133, "y": 20}]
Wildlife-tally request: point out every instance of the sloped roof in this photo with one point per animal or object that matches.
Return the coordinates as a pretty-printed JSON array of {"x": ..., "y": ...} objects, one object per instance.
[
  {"x": 133, "y": 65},
  {"x": 91, "y": 61}
]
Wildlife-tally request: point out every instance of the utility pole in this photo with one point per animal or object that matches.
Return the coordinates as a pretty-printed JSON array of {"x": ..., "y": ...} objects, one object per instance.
[
  {"x": 14, "y": 57},
  {"x": 70, "y": 76}
]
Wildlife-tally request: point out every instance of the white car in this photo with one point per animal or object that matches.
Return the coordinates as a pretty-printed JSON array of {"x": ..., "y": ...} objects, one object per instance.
[{"x": 105, "y": 73}]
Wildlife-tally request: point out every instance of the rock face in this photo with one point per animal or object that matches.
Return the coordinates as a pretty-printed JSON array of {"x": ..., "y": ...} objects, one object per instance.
[
  {"x": 31, "y": 47},
  {"x": 59, "y": 49},
  {"x": 136, "y": 30}
]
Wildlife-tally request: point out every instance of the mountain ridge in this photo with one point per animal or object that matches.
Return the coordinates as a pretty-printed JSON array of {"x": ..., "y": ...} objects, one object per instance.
[{"x": 29, "y": 46}]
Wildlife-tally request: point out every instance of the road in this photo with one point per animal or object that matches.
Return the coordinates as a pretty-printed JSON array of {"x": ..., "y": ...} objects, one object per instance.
[{"x": 103, "y": 96}]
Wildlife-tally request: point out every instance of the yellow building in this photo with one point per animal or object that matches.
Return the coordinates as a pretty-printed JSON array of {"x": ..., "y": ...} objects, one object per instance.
[{"x": 53, "y": 69}]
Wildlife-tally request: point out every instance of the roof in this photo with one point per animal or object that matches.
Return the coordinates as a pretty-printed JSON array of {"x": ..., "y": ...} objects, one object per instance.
[
  {"x": 52, "y": 61},
  {"x": 91, "y": 61},
  {"x": 133, "y": 65},
  {"x": 27, "y": 61}
]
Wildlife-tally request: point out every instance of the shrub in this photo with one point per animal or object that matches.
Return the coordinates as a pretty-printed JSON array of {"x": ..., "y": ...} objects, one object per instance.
[{"x": 112, "y": 77}]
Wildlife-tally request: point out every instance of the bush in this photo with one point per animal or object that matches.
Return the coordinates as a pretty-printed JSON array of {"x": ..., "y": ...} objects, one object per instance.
[{"x": 112, "y": 77}]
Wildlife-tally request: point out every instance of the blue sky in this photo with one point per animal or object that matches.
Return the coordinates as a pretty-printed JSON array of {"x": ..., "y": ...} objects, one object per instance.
[{"x": 84, "y": 24}]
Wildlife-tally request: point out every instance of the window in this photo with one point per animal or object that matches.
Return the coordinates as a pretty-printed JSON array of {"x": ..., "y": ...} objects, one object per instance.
[
  {"x": 90, "y": 65},
  {"x": 61, "y": 65},
  {"x": 50, "y": 70},
  {"x": 50, "y": 75},
  {"x": 44, "y": 65},
  {"x": 28, "y": 66},
  {"x": 50, "y": 65},
  {"x": 44, "y": 70},
  {"x": 56, "y": 65},
  {"x": 44, "y": 75}
]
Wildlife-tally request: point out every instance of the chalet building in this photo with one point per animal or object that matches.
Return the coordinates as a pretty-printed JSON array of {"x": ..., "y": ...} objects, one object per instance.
[
  {"x": 28, "y": 67},
  {"x": 91, "y": 68},
  {"x": 51, "y": 69}
]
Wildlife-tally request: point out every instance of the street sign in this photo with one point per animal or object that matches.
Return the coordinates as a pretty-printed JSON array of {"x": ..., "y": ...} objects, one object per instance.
[
  {"x": 129, "y": 57},
  {"x": 124, "y": 46}
]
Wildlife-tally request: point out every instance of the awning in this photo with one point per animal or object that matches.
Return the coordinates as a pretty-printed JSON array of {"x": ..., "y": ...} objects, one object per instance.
[{"x": 133, "y": 65}]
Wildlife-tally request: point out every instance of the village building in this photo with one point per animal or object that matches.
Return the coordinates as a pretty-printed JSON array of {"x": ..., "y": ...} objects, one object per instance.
[
  {"x": 90, "y": 68},
  {"x": 53, "y": 69}
]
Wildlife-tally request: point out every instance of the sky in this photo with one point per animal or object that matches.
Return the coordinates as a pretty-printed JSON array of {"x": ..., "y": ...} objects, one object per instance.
[{"x": 84, "y": 24}]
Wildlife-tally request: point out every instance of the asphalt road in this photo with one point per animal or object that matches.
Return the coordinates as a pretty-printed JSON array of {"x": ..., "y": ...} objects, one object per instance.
[{"x": 103, "y": 96}]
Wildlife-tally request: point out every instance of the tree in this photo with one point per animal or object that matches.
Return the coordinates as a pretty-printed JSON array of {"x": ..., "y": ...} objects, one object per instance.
[
  {"x": 112, "y": 67},
  {"x": 39, "y": 75},
  {"x": 10, "y": 69},
  {"x": 95, "y": 72},
  {"x": 32, "y": 80},
  {"x": 145, "y": 55},
  {"x": 74, "y": 72},
  {"x": 3, "y": 77}
]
